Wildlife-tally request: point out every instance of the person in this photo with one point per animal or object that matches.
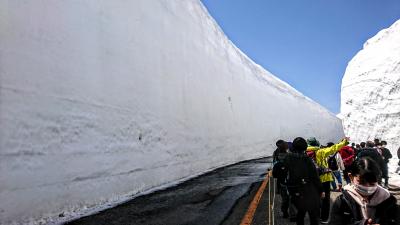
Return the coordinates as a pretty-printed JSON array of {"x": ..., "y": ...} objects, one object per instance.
[
  {"x": 377, "y": 142},
  {"x": 337, "y": 170},
  {"x": 373, "y": 153},
  {"x": 325, "y": 174},
  {"x": 357, "y": 149},
  {"x": 348, "y": 155},
  {"x": 279, "y": 172},
  {"x": 303, "y": 183},
  {"x": 362, "y": 145},
  {"x": 289, "y": 145},
  {"x": 353, "y": 146},
  {"x": 292, "y": 208},
  {"x": 364, "y": 202},
  {"x": 281, "y": 150},
  {"x": 398, "y": 155},
  {"x": 386, "y": 157}
]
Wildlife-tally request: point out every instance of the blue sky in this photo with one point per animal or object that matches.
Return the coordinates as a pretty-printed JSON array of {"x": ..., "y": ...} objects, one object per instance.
[{"x": 306, "y": 43}]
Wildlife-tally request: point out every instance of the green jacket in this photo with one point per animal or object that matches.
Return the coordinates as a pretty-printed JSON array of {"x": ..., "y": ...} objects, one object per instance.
[{"x": 322, "y": 158}]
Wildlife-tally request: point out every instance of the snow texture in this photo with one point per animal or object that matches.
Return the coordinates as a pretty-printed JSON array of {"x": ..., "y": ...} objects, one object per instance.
[
  {"x": 370, "y": 101},
  {"x": 102, "y": 101}
]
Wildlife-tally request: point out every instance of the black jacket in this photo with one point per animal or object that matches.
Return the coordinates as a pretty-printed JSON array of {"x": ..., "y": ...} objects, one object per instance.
[
  {"x": 302, "y": 181},
  {"x": 301, "y": 168},
  {"x": 398, "y": 153},
  {"x": 386, "y": 154},
  {"x": 278, "y": 155},
  {"x": 346, "y": 211}
]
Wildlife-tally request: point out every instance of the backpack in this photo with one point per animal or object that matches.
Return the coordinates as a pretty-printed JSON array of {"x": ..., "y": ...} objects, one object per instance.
[
  {"x": 332, "y": 162},
  {"x": 297, "y": 179},
  {"x": 279, "y": 170}
]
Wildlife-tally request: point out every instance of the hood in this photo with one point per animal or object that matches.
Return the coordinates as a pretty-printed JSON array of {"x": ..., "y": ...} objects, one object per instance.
[{"x": 368, "y": 205}]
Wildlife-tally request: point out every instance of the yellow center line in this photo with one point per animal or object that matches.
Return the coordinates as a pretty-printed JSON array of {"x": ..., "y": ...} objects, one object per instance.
[{"x": 248, "y": 217}]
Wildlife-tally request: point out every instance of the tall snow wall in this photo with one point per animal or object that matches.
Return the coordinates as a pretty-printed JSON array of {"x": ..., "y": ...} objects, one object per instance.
[
  {"x": 370, "y": 97},
  {"x": 103, "y": 100}
]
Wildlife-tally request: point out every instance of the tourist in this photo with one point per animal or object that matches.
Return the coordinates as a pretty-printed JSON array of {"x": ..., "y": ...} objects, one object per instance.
[
  {"x": 303, "y": 183},
  {"x": 337, "y": 166},
  {"x": 325, "y": 174},
  {"x": 348, "y": 155},
  {"x": 279, "y": 172},
  {"x": 371, "y": 151},
  {"x": 387, "y": 155},
  {"x": 363, "y": 201}
]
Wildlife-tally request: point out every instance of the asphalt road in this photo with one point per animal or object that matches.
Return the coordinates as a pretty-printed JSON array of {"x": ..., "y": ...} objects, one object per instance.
[
  {"x": 218, "y": 197},
  {"x": 221, "y": 197}
]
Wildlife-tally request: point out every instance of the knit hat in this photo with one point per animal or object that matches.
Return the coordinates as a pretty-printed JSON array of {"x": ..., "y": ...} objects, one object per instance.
[
  {"x": 299, "y": 145},
  {"x": 313, "y": 142}
]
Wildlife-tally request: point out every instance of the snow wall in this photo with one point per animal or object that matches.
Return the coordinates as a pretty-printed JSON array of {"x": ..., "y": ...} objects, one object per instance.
[
  {"x": 370, "y": 103},
  {"x": 104, "y": 100}
]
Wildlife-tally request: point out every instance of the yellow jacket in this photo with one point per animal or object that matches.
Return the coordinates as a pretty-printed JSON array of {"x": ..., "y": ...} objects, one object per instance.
[{"x": 322, "y": 158}]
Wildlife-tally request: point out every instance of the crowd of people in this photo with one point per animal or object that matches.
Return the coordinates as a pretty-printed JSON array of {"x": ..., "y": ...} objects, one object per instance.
[{"x": 307, "y": 172}]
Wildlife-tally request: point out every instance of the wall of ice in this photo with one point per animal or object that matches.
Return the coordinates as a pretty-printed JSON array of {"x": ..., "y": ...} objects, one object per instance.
[
  {"x": 104, "y": 100},
  {"x": 370, "y": 104}
]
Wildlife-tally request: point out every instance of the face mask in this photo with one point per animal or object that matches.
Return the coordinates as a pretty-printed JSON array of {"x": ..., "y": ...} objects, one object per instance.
[{"x": 364, "y": 190}]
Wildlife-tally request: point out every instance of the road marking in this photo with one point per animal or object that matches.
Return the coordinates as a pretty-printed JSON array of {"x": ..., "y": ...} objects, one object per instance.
[{"x": 248, "y": 217}]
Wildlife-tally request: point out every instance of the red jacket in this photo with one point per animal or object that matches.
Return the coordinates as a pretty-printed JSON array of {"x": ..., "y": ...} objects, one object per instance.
[{"x": 348, "y": 155}]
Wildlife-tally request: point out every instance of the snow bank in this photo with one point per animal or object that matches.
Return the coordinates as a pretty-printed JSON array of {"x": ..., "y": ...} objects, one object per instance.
[
  {"x": 370, "y": 104},
  {"x": 103, "y": 100}
]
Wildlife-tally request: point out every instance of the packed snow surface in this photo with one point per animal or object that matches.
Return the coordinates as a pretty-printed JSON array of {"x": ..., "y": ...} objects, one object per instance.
[
  {"x": 103, "y": 100},
  {"x": 370, "y": 104}
]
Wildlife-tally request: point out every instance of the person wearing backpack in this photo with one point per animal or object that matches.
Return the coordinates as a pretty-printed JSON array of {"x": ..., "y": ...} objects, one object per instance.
[
  {"x": 348, "y": 155},
  {"x": 336, "y": 164},
  {"x": 386, "y": 155},
  {"x": 364, "y": 202},
  {"x": 303, "y": 182},
  {"x": 279, "y": 172},
  {"x": 326, "y": 177}
]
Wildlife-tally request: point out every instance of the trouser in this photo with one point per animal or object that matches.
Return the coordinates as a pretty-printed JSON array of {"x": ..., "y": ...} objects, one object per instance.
[
  {"x": 313, "y": 215},
  {"x": 285, "y": 199},
  {"x": 398, "y": 168},
  {"x": 279, "y": 186},
  {"x": 325, "y": 207},
  {"x": 287, "y": 206},
  {"x": 385, "y": 173},
  {"x": 292, "y": 209},
  {"x": 308, "y": 201},
  {"x": 338, "y": 177},
  {"x": 346, "y": 175},
  {"x": 302, "y": 209}
]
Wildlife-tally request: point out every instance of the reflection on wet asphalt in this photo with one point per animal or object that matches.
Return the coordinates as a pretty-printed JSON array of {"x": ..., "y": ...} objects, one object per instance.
[{"x": 208, "y": 199}]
